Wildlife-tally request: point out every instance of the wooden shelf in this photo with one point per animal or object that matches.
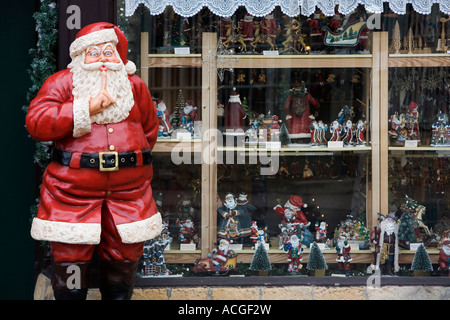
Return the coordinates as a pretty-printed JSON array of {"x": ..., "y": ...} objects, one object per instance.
[
  {"x": 418, "y": 60},
  {"x": 295, "y": 61},
  {"x": 278, "y": 256},
  {"x": 287, "y": 150},
  {"x": 174, "y": 60},
  {"x": 433, "y": 149},
  {"x": 168, "y": 145}
]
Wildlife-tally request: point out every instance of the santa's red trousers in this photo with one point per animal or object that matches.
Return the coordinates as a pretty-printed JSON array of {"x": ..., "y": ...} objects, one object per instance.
[{"x": 109, "y": 248}]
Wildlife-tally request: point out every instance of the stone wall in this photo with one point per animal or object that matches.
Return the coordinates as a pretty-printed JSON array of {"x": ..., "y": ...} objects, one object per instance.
[{"x": 268, "y": 292}]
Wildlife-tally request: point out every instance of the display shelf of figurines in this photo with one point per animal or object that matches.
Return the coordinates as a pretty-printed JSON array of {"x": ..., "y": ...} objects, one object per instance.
[
  {"x": 414, "y": 139},
  {"x": 374, "y": 144}
]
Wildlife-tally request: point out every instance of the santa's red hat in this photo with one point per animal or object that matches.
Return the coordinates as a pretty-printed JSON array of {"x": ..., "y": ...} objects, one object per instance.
[
  {"x": 101, "y": 32},
  {"x": 296, "y": 202}
]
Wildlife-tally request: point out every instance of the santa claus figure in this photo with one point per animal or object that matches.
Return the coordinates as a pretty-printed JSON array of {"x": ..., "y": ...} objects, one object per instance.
[
  {"x": 247, "y": 28},
  {"x": 187, "y": 232},
  {"x": 360, "y": 132},
  {"x": 413, "y": 119},
  {"x": 234, "y": 112},
  {"x": 97, "y": 190},
  {"x": 163, "y": 116},
  {"x": 220, "y": 255},
  {"x": 343, "y": 254},
  {"x": 231, "y": 226},
  {"x": 444, "y": 257},
  {"x": 188, "y": 115},
  {"x": 293, "y": 207},
  {"x": 299, "y": 118},
  {"x": 387, "y": 241},
  {"x": 294, "y": 250},
  {"x": 321, "y": 232}
]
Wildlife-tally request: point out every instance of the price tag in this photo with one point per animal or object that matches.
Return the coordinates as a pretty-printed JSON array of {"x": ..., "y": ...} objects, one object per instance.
[
  {"x": 187, "y": 246},
  {"x": 414, "y": 246},
  {"x": 184, "y": 136},
  {"x": 270, "y": 53},
  {"x": 182, "y": 50},
  {"x": 411, "y": 143},
  {"x": 335, "y": 144},
  {"x": 273, "y": 144}
]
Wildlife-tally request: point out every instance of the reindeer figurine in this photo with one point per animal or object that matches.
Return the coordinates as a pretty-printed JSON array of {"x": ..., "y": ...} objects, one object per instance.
[
  {"x": 294, "y": 36},
  {"x": 233, "y": 35}
]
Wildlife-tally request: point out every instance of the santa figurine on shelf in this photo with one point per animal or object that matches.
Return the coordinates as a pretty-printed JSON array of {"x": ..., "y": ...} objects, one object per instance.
[
  {"x": 413, "y": 119},
  {"x": 234, "y": 112},
  {"x": 247, "y": 28},
  {"x": 293, "y": 207},
  {"x": 360, "y": 132},
  {"x": 230, "y": 226},
  {"x": 220, "y": 255},
  {"x": 299, "y": 118},
  {"x": 294, "y": 249},
  {"x": 188, "y": 114},
  {"x": 163, "y": 116},
  {"x": 343, "y": 251},
  {"x": 321, "y": 232},
  {"x": 444, "y": 257}
]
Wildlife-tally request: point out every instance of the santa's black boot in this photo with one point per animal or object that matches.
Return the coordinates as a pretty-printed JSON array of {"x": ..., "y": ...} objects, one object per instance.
[
  {"x": 70, "y": 280},
  {"x": 117, "y": 279}
]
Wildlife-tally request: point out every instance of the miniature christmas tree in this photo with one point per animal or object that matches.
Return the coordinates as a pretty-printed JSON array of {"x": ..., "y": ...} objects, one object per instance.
[
  {"x": 410, "y": 40},
  {"x": 316, "y": 260},
  {"x": 260, "y": 260},
  {"x": 421, "y": 261},
  {"x": 284, "y": 135},
  {"x": 406, "y": 228},
  {"x": 396, "y": 38}
]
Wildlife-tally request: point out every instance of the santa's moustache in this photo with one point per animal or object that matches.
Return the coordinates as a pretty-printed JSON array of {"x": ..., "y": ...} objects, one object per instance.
[{"x": 87, "y": 81}]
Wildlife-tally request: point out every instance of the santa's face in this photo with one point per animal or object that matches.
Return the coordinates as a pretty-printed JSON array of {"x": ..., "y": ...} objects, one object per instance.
[
  {"x": 230, "y": 202},
  {"x": 103, "y": 52},
  {"x": 295, "y": 241},
  {"x": 88, "y": 69},
  {"x": 289, "y": 214}
]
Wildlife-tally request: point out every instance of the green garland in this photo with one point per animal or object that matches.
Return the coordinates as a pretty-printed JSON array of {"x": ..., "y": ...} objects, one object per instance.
[{"x": 43, "y": 65}]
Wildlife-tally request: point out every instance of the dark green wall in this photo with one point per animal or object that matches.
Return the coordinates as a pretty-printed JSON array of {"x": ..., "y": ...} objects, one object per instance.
[{"x": 16, "y": 161}]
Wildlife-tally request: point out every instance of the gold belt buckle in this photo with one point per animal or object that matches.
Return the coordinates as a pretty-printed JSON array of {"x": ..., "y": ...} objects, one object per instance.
[{"x": 115, "y": 161}]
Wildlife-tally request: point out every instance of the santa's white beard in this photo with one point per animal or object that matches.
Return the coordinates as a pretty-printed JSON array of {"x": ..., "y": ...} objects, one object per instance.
[
  {"x": 87, "y": 80},
  {"x": 446, "y": 250},
  {"x": 390, "y": 227},
  {"x": 230, "y": 204}
]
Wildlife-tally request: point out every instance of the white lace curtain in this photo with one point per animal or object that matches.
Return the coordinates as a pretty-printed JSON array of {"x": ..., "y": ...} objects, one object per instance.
[{"x": 292, "y": 8}]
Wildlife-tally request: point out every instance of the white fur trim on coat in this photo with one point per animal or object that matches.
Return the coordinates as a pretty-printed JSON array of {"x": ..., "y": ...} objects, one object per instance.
[
  {"x": 130, "y": 67},
  {"x": 82, "y": 43},
  {"x": 81, "y": 118},
  {"x": 140, "y": 231},
  {"x": 66, "y": 232},
  {"x": 382, "y": 230}
]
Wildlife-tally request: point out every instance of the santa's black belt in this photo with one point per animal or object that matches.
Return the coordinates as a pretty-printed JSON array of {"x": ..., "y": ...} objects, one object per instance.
[{"x": 103, "y": 161}]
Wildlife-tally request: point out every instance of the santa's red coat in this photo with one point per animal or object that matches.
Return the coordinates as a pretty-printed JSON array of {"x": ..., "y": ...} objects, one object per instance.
[
  {"x": 72, "y": 197},
  {"x": 300, "y": 124}
]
